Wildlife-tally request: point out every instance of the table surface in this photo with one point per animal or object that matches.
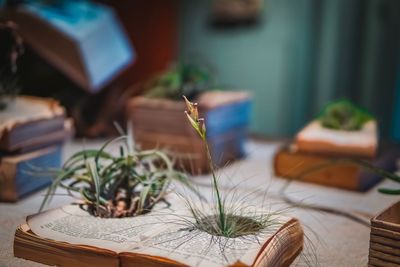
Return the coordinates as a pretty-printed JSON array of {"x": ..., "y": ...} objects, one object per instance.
[{"x": 331, "y": 240}]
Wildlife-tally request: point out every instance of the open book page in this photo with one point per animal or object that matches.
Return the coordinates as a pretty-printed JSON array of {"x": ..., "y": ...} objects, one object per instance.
[
  {"x": 196, "y": 248},
  {"x": 162, "y": 233},
  {"x": 73, "y": 225}
]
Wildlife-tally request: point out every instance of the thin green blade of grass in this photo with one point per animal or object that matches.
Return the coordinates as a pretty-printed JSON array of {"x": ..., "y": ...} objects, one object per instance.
[
  {"x": 96, "y": 180},
  {"x": 88, "y": 153},
  {"x": 143, "y": 197}
]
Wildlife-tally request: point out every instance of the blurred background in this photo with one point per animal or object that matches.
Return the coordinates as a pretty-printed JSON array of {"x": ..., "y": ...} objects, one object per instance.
[{"x": 292, "y": 56}]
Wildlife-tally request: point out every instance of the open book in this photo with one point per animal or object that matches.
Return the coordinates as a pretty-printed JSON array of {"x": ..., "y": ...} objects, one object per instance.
[{"x": 69, "y": 236}]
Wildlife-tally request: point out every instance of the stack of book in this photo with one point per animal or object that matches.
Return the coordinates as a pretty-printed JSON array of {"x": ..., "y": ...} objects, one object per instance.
[
  {"x": 32, "y": 131},
  {"x": 384, "y": 246},
  {"x": 315, "y": 154},
  {"x": 162, "y": 123}
]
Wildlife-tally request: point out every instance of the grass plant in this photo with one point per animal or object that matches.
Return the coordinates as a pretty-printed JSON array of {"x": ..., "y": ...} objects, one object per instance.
[
  {"x": 189, "y": 79},
  {"x": 128, "y": 184},
  {"x": 229, "y": 219}
]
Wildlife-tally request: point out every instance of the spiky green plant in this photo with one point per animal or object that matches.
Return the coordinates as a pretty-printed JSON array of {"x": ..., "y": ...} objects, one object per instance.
[
  {"x": 344, "y": 115},
  {"x": 233, "y": 220},
  {"x": 123, "y": 185}
]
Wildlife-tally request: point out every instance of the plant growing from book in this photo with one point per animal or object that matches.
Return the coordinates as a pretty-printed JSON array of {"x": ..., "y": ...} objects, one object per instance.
[
  {"x": 128, "y": 184},
  {"x": 182, "y": 79},
  {"x": 231, "y": 220},
  {"x": 228, "y": 219},
  {"x": 344, "y": 115}
]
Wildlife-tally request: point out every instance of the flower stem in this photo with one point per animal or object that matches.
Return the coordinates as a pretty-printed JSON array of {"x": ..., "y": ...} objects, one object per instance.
[{"x": 215, "y": 185}]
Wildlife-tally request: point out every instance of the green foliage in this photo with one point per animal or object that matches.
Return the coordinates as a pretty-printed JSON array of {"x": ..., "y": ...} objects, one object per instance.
[
  {"x": 239, "y": 220},
  {"x": 344, "y": 115},
  {"x": 182, "y": 79},
  {"x": 229, "y": 221},
  {"x": 125, "y": 185}
]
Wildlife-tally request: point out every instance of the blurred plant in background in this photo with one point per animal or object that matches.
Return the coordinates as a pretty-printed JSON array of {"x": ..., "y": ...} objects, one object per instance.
[
  {"x": 344, "y": 115},
  {"x": 181, "y": 79}
]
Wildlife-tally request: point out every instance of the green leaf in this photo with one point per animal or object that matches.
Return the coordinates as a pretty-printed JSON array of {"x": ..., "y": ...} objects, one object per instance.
[
  {"x": 88, "y": 153},
  {"x": 52, "y": 188},
  {"x": 96, "y": 180},
  {"x": 389, "y": 191},
  {"x": 142, "y": 198}
]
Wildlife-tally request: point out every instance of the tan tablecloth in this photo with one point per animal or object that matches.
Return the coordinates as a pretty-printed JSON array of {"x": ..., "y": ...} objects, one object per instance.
[{"x": 335, "y": 241}]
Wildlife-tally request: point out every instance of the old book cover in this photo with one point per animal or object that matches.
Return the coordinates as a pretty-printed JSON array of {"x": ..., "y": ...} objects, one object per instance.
[
  {"x": 292, "y": 164},
  {"x": 27, "y": 119},
  {"x": 16, "y": 177},
  {"x": 69, "y": 236},
  {"x": 82, "y": 36},
  {"x": 223, "y": 111}
]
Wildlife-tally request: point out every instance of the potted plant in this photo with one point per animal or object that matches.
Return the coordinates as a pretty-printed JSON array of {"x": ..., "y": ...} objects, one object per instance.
[
  {"x": 231, "y": 221},
  {"x": 341, "y": 130},
  {"x": 157, "y": 120},
  {"x": 128, "y": 184}
]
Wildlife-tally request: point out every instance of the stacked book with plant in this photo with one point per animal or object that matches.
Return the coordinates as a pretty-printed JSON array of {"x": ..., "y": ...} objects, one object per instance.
[
  {"x": 339, "y": 149},
  {"x": 157, "y": 122},
  {"x": 32, "y": 129},
  {"x": 124, "y": 216},
  {"x": 330, "y": 150}
]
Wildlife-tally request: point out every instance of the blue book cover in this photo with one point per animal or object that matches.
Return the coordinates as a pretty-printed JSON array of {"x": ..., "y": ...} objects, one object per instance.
[
  {"x": 18, "y": 177},
  {"x": 90, "y": 32},
  {"x": 229, "y": 146},
  {"x": 226, "y": 118}
]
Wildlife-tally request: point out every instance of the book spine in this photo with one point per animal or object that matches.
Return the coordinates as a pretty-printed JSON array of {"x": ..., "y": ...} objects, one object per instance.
[
  {"x": 26, "y": 181},
  {"x": 28, "y": 130}
]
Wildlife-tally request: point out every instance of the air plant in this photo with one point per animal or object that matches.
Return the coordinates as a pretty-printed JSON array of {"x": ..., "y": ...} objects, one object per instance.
[
  {"x": 124, "y": 185},
  {"x": 344, "y": 115},
  {"x": 182, "y": 79},
  {"x": 226, "y": 220}
]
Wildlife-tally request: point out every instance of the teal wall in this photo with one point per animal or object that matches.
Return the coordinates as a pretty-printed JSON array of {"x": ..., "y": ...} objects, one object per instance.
[{"x": 272, "y": 60}]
